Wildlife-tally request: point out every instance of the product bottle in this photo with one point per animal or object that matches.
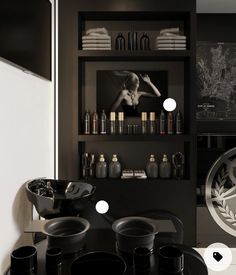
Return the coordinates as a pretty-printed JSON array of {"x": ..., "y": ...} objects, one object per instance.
[
  {"x": 114, "y": 168},
  {"x": 121, "y": 123},
  {"x": 101, "y": 168},
  {"x": 162, "y": 123},
  {"x": 91, "y": 165},
  {"x": 165, "y": 168},
  {"x": 152, "y": 168},
  {"x": 178, "y": 165},
  {"x": 112, "y": 123},
  {"x": 87, "y": 123},
  {"x": 170, "y": 123},
  {"x": 85, "y": 165},
  {"x": 135, "y": 40},
  {"x": 144, "y": 123},
  {"x": 120, "y": 42},
  {"x": 95, "y": 123},
  {"x": 179, "y": 123},
  {"x": 144, "y": 42},
  {"x": 152, "y": 123},
  {"x": 103, "y": 123}
]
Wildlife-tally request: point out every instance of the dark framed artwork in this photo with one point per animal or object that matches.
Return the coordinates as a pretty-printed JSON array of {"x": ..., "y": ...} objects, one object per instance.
[
  {"x": 216, "y": 81},
  {"x": 131, "y": 91}
]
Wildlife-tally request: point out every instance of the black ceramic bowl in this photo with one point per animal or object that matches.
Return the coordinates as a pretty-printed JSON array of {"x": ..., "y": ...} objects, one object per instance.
[
  {"x": 68, "y": 233},
  {"x": 99, "y": 262},
  {"x": 59, "y": 198},
  {"x": 132, "y": 232}
]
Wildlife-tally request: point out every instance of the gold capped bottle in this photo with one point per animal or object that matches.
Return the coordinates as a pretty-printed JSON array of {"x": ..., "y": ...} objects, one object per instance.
[
  {"x": 121, "y": 123},
  {"x": 165, "y": 168},
  {"x": 101, "y": 168},
  {"x": 112, "y": 123},
  {"x": 114, "y": 168},
  {"x": 152, "y": 168}
]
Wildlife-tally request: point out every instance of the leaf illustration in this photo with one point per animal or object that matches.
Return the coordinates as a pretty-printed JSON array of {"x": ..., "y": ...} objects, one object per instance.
[
  {"x": 229, "y": 220},
  {"x": 224, "y": 203},
  {"x": 221, "y": 190},
  {"x": 221, "y": 209},
  {"x": 231, "y": 214},
  {"x": 225, "y": 215},
  {"x": 227, "y": 208},
  {"x": 223, "y": 182}
]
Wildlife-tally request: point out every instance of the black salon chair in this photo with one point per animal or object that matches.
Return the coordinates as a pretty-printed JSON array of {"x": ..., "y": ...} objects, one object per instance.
[{"x": 165, "y": 237}]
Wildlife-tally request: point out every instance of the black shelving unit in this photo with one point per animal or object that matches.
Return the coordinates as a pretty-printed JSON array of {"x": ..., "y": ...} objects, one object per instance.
[
  {"x": 164, "y": 55},
  {"x": 76, "y": 64},
  {"x": 143, "y": 138}
]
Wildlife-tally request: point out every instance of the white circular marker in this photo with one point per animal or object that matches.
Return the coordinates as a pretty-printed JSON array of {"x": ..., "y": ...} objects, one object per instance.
[
  {"x": 218, "y": 256},
  {"x": 102, "y": 207},
  {"x": 169, "y": 104}
]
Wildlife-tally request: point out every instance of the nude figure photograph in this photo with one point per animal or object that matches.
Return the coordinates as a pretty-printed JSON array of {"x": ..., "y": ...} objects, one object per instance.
[{"x": 131, "y": 92}]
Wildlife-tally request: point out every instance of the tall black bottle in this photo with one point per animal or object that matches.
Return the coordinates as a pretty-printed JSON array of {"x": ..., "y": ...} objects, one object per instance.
[
  {"x": 120, "y": 42},
  {"x": 179, "y": 123},
  {"x": 144, "y": 43},
  {"x": 162, "y": 123}
]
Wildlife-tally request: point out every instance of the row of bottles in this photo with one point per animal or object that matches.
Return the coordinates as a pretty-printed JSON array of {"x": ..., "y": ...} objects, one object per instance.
[
  {"x": 133, "y": 43},
  {"x": 166, "y": 124},
  {"x": 166, "y": 169},
  {"x": 95, "y": 125}
]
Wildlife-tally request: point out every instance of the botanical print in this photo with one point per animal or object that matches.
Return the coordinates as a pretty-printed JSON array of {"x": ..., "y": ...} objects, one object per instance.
[{"x": 216, "y": 81}]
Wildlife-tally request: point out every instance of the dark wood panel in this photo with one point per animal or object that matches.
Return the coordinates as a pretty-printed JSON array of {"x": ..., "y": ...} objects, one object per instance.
[{"x": 129, "y": 197}]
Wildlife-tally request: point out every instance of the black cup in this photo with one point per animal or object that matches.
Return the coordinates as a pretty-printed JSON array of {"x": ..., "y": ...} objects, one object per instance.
[
  {"x": 142, "y": 258},
  {"x": 171, "y": 260},
  {"x": 53, "y": 260},
  {"x": 24, "y": 260}
]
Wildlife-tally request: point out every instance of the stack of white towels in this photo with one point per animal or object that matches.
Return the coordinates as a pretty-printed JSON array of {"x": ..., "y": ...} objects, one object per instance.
[
  {"x": 171, "y": 39},
  {"x": 96, "y": 39}
]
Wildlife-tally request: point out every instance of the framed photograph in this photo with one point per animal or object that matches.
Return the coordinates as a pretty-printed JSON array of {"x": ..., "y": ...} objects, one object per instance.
[
  {"x": 131, "y": 91},
  {"x": 216, "y": 81}
]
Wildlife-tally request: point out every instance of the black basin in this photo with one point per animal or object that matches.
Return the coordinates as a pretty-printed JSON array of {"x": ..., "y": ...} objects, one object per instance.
[{"x": 59, "y": 198}]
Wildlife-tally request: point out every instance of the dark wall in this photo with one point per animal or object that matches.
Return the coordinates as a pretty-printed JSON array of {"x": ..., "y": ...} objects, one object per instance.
[{"x": 25, "y": 31}]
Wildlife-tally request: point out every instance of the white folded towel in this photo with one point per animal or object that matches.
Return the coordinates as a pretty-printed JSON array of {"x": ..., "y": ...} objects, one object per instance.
[
  {"x": 171, "y": 48},
  {"x": 96, "y": 36},
  {"x": 170, "y": 30},
  {"x": 96, "y": 49},
  {"x": 96, "y": 45},
  {"x": 97, "y": 31},
  {"x": 166, "y": 38}
]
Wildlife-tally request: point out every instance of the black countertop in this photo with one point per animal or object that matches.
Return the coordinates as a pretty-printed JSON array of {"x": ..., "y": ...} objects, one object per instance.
[{"x": 104, "y": 240}]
